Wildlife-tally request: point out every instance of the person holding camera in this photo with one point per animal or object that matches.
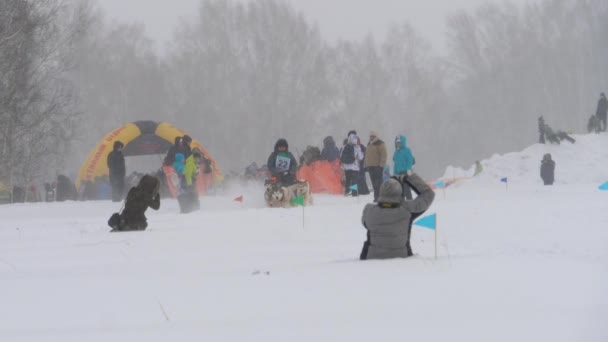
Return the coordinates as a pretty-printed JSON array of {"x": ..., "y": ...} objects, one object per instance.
[
  {"x": 389, "y": 222},
  {"x": 141, "y": 197}
]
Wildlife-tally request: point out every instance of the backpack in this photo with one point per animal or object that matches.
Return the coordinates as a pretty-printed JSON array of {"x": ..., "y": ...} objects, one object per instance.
[{"x": 348, "y": 154}]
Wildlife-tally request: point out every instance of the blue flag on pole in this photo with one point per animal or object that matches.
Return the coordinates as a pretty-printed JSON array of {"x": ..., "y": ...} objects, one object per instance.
[
  {"x": 604, "y": 186},
  {"x": 504, "y": 180},
  {"x": 354, "y": 187},
  {"x": 429, "y": 222},
  {"x": 440, "y": 184}
]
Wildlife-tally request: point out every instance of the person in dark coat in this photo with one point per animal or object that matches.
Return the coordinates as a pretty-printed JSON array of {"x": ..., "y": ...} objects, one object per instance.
[
  {"x": 602, "y": 111},
  {"x": 389, "y": 222},
  {"x": 282, "y": 164},
  {"x": 145, "y": 195},
  {"x": 170, "y": 157},
  {"x": 66, "y": 190},
  {"x": 185, "y": 148},
  {"x": 116, "y": 164},
  {"x": 547, "y": 169},
  {"x": 330, "y": 151}
]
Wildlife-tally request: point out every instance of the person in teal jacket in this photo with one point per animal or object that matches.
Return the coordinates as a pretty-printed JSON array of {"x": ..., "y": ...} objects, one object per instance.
[{"x": 404, "y": 161}]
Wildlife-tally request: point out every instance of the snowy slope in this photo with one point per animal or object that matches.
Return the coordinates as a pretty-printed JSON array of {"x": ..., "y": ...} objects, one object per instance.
[
  {"x": 579, "y": 163},
  {"x": 527, "y": 263}
]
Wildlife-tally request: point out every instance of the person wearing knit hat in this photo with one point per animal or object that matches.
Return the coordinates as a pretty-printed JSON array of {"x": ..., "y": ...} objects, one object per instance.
[
  {"x": 389, "y": 222},
  {"x": 375, "y": 159}
]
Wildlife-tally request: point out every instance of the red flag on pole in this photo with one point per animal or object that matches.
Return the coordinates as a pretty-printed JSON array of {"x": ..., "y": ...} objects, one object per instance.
[{"x": 239, "y": 199}]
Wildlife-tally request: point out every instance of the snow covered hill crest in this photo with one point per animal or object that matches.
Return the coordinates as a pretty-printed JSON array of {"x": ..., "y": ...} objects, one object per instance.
[{"x": 584, "y": 162}]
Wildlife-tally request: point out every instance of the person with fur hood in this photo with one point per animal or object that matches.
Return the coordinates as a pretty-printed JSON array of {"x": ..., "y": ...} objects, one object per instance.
[
  {"x": 351, "y": 156},
  {"x": 141, "y": 197},
  {"x": 404, "y": 161},
  {"x": 282, "y": 164},
  {"x": 389, "y": 222}
]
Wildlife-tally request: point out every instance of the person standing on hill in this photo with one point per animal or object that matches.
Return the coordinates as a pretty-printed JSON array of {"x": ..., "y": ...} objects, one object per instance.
[
  {"x": 404, "y": 161},
  {"x": 541, "y": 130},
  {"x": 375, "y": 159},
  {"x": 118, "y": 171},
  {"x": 602, "y": 111}
]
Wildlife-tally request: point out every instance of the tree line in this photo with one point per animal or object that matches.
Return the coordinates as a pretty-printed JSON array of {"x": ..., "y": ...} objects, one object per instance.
[{"x": 238, "y": 76}]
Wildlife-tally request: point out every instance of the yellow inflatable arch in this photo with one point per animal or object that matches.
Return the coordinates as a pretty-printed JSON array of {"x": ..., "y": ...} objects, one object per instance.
[{"x": 139, "y": 138}]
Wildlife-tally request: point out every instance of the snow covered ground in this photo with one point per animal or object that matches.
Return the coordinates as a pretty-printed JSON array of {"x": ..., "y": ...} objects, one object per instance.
[{"x": 523, "y": 263}]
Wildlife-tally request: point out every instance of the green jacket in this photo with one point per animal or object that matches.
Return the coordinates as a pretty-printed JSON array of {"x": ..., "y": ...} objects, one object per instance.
[{"x": 190, "y": 170}]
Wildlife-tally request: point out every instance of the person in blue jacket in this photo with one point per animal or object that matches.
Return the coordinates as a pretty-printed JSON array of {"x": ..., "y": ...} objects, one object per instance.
[{"x": 404, "y": 161}]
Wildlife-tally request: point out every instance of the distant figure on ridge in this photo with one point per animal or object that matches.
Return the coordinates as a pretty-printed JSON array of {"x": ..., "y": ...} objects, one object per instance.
[{"x": 602, "y": 111}]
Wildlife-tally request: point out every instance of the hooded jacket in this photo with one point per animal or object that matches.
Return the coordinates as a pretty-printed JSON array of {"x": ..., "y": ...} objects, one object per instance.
[
  {"x": 280, "y": 162},
  {"x": 179, "y": 163},
  {"x": 403, "y": 158},
  {"x": 389, "y": 222},
  {"x": 116, "y": 162},
  {"x": 141, "y": 197},
  {"x": 354, "y": 140},
  {"x": 330, "y": 151},
  {"x": 191, "y": 169},
  {"x": 170, "y": 157},
  {"x": 547, "y": 170}
]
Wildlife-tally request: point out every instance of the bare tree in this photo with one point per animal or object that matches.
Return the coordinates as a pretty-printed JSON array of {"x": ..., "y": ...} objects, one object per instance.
[
  {"x": 242, "y": 76},
  {"x": 37, "y": 116}
]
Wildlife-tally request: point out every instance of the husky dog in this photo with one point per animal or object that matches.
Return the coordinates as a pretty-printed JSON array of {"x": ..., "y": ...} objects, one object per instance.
[
  {"x": 302, "y": 189},
  {"x": 281, "y": 198},
  {"x": 277, "y": 196}
]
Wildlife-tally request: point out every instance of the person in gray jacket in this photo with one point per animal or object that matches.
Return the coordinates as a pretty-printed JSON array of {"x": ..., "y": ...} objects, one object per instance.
[{"x": 389, "y": 222}]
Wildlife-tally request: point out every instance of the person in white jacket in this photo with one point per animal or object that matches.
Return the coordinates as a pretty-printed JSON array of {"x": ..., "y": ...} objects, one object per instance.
[{"x": 351, "y": 156}]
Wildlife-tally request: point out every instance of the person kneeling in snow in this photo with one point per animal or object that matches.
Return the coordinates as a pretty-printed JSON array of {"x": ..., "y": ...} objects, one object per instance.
[
  {"x": 389, "y": 222},
  {"x": 139, "y": 198}
]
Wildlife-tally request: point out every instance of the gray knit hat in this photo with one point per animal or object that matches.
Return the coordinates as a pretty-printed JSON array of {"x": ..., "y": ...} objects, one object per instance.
[{"x": 391, "y": 192}]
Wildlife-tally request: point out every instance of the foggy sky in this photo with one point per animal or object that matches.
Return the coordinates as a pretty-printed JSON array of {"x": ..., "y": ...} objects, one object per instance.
[{"x": 337, "y": 19}]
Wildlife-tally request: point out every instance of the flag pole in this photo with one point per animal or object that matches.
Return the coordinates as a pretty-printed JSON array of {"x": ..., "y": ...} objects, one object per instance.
[
  {"x": 435, "y": 236},
  {"x": 303, "y": 217}
]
